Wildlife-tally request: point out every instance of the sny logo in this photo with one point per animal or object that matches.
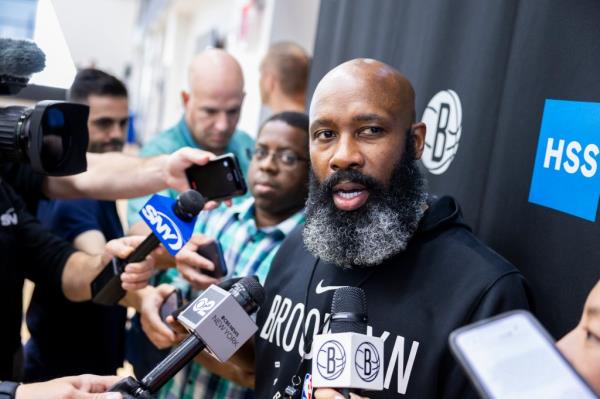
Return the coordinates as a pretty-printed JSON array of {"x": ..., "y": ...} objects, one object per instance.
[
  {"x": 566, "y": 164},
  {"x": 164, "y": 226}
]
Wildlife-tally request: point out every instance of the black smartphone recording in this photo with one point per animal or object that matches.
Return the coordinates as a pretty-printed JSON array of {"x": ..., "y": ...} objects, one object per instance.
[
  {"x": 213, "y": 252},
  {"x": 171, "y": 304},
  {"x": 220, "y": 179}
]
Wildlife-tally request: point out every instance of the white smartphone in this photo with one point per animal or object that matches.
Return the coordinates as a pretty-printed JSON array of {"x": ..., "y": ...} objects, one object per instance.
[{"x": 511, "y": 356}]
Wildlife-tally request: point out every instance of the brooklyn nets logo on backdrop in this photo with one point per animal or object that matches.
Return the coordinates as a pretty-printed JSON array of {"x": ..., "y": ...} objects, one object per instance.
[{"x": 443, "y": 118}]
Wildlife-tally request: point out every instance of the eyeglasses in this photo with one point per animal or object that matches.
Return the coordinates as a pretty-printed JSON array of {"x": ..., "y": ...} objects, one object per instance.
[{"x": 284, "y": 157}]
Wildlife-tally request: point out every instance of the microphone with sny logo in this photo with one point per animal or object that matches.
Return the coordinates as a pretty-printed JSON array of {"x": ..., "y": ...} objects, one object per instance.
[
  {"x": 171, "y": 222},
  {"x": 347, "y": 358},
  {"x": 218, "y": 320}
]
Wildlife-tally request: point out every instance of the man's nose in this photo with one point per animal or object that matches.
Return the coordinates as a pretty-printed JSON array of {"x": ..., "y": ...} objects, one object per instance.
[
  {"x": 221, "y": 122},
  {"x": 347, "y": 154}
]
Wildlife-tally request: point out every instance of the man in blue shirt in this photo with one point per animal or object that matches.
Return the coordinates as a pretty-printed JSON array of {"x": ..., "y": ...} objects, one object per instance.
[
  {"x": 211, "y": 112},
  {"x": 58, "y": 346}
]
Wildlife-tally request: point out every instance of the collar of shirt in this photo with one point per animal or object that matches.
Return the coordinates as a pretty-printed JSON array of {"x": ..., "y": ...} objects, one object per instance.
[{"x": 244, "y": 213}]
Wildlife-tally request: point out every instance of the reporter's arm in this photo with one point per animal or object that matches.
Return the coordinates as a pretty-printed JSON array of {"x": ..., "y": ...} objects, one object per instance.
[
  {"x": 81, "y": 269},
  {"x": 78, "y": 387},
  {"x": 116, "y": 175}
]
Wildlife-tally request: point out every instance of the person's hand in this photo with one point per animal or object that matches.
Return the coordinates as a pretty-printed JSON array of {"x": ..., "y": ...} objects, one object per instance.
[
  {"x": 136, "y": 275},
  {"x": 190, "y": 264},
  {"x": 326, "y": 393},
  {"x": 156, "y": 330},
  {"x": 179, "y": 161},
  {"x": 85, "y": 386}
]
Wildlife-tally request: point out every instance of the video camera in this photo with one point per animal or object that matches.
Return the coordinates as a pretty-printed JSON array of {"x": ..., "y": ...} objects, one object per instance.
[{"x": 52, "y": 136}]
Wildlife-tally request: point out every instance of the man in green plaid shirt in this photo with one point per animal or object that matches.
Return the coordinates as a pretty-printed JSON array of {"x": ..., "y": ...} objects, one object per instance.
[{"x": 249, "y": 234}]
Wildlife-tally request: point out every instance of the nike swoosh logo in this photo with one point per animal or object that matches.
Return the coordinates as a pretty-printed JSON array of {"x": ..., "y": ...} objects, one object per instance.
[{"x": 320, "y": 289}]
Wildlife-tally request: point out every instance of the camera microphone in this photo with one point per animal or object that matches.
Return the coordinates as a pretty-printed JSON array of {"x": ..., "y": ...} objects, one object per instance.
[
  {"x": 347, "y": 358},
  {"x": 171, "y": 223},
  {"x": 218, "y": 320},
  {"x": 19, "y": 59}
]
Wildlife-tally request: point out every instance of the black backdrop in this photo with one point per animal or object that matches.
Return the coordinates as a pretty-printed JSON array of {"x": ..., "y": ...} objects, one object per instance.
[{"x": 503, "y": 58}]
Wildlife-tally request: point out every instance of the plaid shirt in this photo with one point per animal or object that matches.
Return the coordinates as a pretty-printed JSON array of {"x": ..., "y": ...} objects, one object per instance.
[{"x": 247, "y": 250}]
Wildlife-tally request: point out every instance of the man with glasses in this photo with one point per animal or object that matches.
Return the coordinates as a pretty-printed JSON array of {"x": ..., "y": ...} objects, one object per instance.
[
  {"x": 249, "y": 234},
  {"x": 53, "y": 351},
  {"x": 211, "y": 112}
]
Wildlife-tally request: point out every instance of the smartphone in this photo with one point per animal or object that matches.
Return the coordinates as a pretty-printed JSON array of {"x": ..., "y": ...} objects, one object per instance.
[
  {"x": 171, "y": 304},
  {"x": 213, "y": 252},
  {"x": 511, "y": 356},
  {"x": 221, "y": 178}
]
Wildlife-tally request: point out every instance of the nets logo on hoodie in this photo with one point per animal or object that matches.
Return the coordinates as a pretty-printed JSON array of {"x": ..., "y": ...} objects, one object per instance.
[{"x": 565, "y": 173}]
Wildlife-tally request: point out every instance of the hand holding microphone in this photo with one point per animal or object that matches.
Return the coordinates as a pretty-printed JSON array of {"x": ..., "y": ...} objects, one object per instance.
[
  {"x": 347, "y": 358},
  {"x": 171, "y": 223},
  {"x": 218, "y": 320}
]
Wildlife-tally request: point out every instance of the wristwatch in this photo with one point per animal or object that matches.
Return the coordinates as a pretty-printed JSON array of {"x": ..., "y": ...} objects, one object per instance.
[{"x": 8, "y": 389}]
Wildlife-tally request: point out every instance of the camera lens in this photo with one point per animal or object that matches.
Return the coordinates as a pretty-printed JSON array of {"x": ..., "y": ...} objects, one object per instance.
[{"x": 229, "y": 176}]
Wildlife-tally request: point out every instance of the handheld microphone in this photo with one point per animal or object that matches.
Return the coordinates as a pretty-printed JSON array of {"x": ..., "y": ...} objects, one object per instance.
[
  {"x": 168, "y": 222},
  {"x": 219, "y": 320},
  {"x": 346, "y": 357}
]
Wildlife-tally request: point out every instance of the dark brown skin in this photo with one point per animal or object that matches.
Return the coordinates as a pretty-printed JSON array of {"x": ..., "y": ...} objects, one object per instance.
[
  {"x": 359, "y": 115},
  {"x": 279, "y": 190}
]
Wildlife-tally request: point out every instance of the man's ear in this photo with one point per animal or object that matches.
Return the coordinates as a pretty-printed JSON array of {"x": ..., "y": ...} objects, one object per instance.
[
  {"x": 185, "y": 98},
  {"x": 419, "y": 130}
]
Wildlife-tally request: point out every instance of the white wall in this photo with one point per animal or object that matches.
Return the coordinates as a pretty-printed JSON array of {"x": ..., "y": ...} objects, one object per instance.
[
  {"x": 99, "y": 31},
  {"x": 185, "y": 22}
]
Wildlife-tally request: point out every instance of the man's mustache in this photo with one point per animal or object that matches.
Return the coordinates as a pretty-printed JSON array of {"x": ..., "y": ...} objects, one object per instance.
[{"x": 350, "y": 175}]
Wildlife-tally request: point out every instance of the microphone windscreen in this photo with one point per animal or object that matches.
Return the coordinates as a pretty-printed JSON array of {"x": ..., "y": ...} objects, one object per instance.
[
  {"x": 189, "y": 204},
  {"x": 349, "y": 310},
  {"x": 255, "y": 290},
  {"x": 20, "y": 58}
]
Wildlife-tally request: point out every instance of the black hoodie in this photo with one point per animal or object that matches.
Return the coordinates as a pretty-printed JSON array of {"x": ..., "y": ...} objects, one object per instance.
[{"x": 446, "y": 278}]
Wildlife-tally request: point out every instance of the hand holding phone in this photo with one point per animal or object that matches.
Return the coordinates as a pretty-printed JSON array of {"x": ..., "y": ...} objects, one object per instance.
[
  {"x": 220, "y": 179},
  {"x": 511, "y": 356},
  {"x": 171, "y": 304},
  {"x": 213, "y": 252}
]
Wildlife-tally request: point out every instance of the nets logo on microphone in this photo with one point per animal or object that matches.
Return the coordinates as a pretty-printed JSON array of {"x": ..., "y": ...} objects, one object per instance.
[
  {"x": 171, "y": 231},
  {"x": 565, "y": 173},
  {"x": 367, "y": 362},
  {"x": 443, "y": 118},
  {"x": 331, "y": 360}
]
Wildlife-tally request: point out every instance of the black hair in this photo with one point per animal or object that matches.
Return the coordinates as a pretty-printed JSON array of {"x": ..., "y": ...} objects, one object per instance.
[
  {"x": 92, "y": 81},
  {"x": 295, "y": 119}
]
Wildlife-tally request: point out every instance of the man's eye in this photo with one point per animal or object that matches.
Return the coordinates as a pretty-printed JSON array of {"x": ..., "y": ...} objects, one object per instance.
[
  {"x": 324, "y": 134},
  {"x": 209, "y": 111},
  {"x": 372, "y": 130},
  {"x": 591, "y": 337}
]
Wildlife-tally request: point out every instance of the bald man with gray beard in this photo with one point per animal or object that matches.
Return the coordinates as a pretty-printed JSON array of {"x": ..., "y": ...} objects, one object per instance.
[{"x": 371, "y": 224}]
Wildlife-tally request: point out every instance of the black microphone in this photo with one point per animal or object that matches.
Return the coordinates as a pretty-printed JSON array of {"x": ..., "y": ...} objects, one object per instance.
[
  {"x": 218, "y": 324},
  {"x": 347, "y": 358},
  {"x": 106, "y": 287},
  {"x": 19, "y": 59}
]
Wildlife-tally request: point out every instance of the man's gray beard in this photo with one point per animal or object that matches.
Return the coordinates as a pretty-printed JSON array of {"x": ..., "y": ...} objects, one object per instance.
[{"x": 377, "y": 231}]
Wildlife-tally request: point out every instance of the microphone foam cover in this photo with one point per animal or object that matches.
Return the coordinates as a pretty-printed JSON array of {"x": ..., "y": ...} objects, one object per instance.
[
  {"x": 254, "y": 289},
  {"x": 189, "y": 204},
  {"x": 352, "y": 301},
  {"x": 20, "y": 58}
]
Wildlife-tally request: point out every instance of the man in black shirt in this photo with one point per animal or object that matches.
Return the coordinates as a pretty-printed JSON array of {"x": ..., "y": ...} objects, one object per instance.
[
  {"x": 370, "y": 224},
  {"x": 30, "y": 251}
]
